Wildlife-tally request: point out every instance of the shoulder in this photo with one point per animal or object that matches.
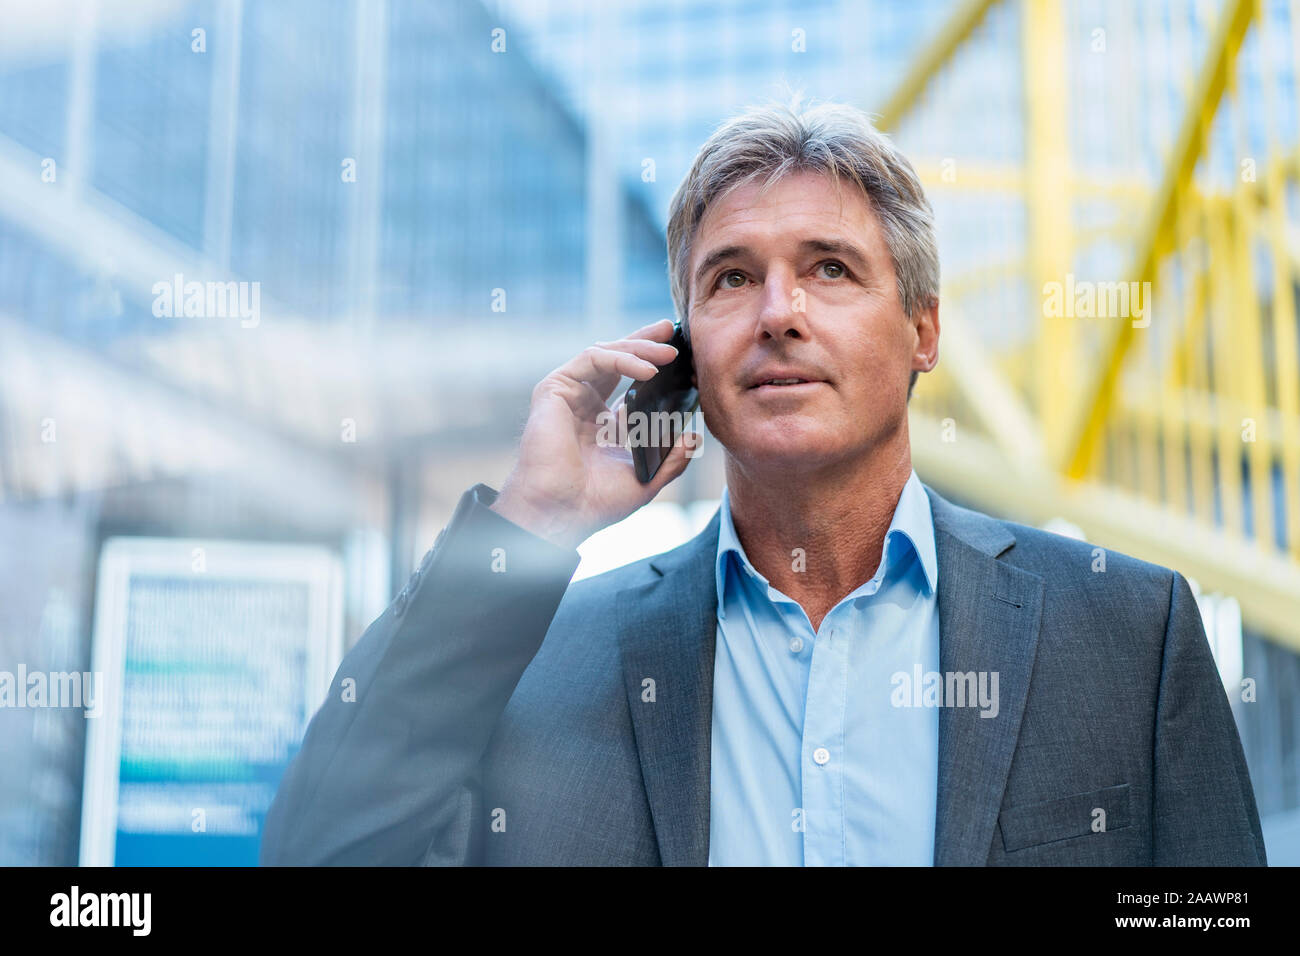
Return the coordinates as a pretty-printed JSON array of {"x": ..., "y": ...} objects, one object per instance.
[
  {"x": 1050, "y": 552},
  {"x": 1063, "y": 562},
  {"x": 600, "y": 590},
  {"x": 689, "y": 563},
  {"x": 594, "y": 609}
]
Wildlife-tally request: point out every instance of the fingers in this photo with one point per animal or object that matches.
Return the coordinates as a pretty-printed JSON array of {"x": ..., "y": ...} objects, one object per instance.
[
  {"x": 660, "y": 353},
  {"x": 586, "y": 402},
  {"x": 586, "y": 380},
  {"x": 685, "y": 448},
  {"x": 596, "y": 370},
  {"x": 656, "y": 353},
  {"x": 603, "y": 367},
  {"x": 660, "y": 331}
]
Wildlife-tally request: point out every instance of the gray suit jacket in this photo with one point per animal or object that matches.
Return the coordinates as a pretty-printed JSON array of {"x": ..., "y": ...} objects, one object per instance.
[{"x": 493, "y": 714}]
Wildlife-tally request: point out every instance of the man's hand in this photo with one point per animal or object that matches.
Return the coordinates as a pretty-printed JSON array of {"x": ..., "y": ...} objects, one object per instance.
[{"x": 565, "y": 486}]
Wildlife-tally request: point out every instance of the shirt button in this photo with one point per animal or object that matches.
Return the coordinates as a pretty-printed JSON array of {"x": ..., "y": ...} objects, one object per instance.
[
  {"x": 796, "y": 645},
  {"x": 821, "y": 756}
]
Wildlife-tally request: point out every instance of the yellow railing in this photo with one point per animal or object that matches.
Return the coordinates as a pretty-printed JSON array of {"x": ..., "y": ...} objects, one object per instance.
[{"x": 1120, "y": 334}]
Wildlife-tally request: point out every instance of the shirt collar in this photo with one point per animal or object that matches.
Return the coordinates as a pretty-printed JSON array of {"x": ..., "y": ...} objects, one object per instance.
[{"x": 912, "y": 523}]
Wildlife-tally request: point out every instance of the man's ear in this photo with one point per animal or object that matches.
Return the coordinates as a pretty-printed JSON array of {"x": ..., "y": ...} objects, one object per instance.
[{"x": 926, "y": 355}]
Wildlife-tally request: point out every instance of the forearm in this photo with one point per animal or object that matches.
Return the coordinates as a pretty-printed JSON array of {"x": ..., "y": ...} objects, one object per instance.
[{"x": 389, "y": 764}]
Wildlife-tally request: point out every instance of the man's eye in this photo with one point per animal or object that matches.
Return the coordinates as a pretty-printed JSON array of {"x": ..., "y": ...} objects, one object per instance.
[
  {"x": 732, "y": 279},
  {"x": 833, "y": 270}
]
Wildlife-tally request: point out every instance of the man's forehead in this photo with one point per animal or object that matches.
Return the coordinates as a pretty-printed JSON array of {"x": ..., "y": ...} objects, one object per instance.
[
  {"x": 816, "y": 194},
  {"x": 811, "y": 215}
]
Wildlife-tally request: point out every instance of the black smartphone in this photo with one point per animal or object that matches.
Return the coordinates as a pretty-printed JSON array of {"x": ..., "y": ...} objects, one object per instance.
[{"x": 658, "y": 409}]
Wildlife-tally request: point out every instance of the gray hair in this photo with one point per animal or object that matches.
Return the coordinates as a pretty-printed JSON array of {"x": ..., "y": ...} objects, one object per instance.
[{"x": 834, "y": 139}]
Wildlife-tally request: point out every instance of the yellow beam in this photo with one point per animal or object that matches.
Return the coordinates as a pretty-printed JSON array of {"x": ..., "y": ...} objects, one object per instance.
[
  {"x": 1198, "y": 417},
  {"x": 1225, "y": 366},
  {"x": 1198, "y": 364},
  {"x": 1247, "y": 339},
  {"x": 997, "y": 407},
  {"x": 1285, "y": 346},
  {"x": 1085, "y": 424},
  {"x": 970, "y": 469},
  {"x": 1048, "y": 205},
  {"x": 926, "y": 65},
  {"x": 976, "y": 176},
  {"x": 1180, "y": 490}
]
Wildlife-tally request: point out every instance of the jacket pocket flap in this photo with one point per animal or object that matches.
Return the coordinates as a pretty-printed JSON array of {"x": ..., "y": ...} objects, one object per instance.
[{"x": 1064, "y": 817}]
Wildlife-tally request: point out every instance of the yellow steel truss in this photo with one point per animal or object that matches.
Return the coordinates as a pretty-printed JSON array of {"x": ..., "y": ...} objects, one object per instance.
[{"x": 1175, "y": 435}]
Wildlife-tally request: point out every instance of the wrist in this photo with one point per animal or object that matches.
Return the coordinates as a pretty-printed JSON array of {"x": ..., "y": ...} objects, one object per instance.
[{"x": 544, "y": 522}]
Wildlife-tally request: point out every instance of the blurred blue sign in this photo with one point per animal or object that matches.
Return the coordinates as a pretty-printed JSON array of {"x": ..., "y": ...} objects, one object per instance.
[{"x": 212, "y": 656}]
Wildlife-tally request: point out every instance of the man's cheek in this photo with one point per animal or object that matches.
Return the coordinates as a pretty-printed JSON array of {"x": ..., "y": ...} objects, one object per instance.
[
  {"x": 715, "y": 409},
  {"x": 709, "y": 407}
]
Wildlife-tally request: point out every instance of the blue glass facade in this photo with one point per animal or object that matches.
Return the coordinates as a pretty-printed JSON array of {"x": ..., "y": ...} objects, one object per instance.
[{"x": 482, "y": 167}]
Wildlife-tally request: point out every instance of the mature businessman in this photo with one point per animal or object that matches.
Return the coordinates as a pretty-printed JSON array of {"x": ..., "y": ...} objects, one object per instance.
[{"x": 842, "y": 668}]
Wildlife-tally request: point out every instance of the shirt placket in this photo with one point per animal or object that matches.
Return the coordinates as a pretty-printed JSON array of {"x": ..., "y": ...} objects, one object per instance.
[{"x": 822, "y": 754}]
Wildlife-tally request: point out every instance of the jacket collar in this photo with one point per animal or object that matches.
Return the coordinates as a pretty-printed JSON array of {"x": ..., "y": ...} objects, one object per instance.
[
  {"x": 911, "y": 531},
  {"x": 989, "y": 612}
]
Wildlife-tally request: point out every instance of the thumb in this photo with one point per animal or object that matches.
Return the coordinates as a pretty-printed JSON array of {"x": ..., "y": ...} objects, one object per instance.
[{"x": 684, "y": 449}]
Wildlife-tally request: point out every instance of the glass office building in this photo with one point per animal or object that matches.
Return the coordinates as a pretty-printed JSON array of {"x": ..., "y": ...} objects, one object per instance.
[{"x": 370, "y": 166}]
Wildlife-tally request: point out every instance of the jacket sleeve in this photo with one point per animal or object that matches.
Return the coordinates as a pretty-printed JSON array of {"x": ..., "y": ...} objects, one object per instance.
[
  {"x": 1204, "y": 806},
  {"x": 389, "y": 770}
]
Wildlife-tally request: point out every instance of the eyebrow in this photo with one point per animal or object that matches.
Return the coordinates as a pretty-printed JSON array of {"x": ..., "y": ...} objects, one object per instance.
[
  {"x": 840, "y": 247},
  {"x": 718, "y": 256}
]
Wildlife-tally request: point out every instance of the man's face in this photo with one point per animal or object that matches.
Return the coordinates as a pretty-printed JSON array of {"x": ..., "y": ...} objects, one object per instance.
[{"x": 799, "y": 284}]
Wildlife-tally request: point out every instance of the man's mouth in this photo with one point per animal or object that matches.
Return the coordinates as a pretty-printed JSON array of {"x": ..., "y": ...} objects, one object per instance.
[
  {"x": 785, "y": 389},
  {"x": 779, "y": 384}
]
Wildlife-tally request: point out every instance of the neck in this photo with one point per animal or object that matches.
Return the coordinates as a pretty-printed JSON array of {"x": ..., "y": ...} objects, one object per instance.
[{"x": 836, "y": 517}]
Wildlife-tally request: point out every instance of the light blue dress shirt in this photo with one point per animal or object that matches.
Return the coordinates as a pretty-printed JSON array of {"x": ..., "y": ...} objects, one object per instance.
[{"x": 812, "y": 762}]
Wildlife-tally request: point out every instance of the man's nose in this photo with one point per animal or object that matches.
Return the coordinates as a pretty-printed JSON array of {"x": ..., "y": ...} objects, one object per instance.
[{"x": 782, "y": 309}]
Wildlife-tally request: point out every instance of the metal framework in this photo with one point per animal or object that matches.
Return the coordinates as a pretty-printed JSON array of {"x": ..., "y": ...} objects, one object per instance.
[{"x": 1173, "y": 435}]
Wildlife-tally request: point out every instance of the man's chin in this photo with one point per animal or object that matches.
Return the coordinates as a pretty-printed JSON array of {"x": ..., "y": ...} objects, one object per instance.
[{"x": 789, "y": 450}]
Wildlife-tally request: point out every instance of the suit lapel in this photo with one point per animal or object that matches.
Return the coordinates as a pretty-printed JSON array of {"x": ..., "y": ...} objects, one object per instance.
[
  {"x": 989, "y": 613},
  {"x": 668, "y": 628}
]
